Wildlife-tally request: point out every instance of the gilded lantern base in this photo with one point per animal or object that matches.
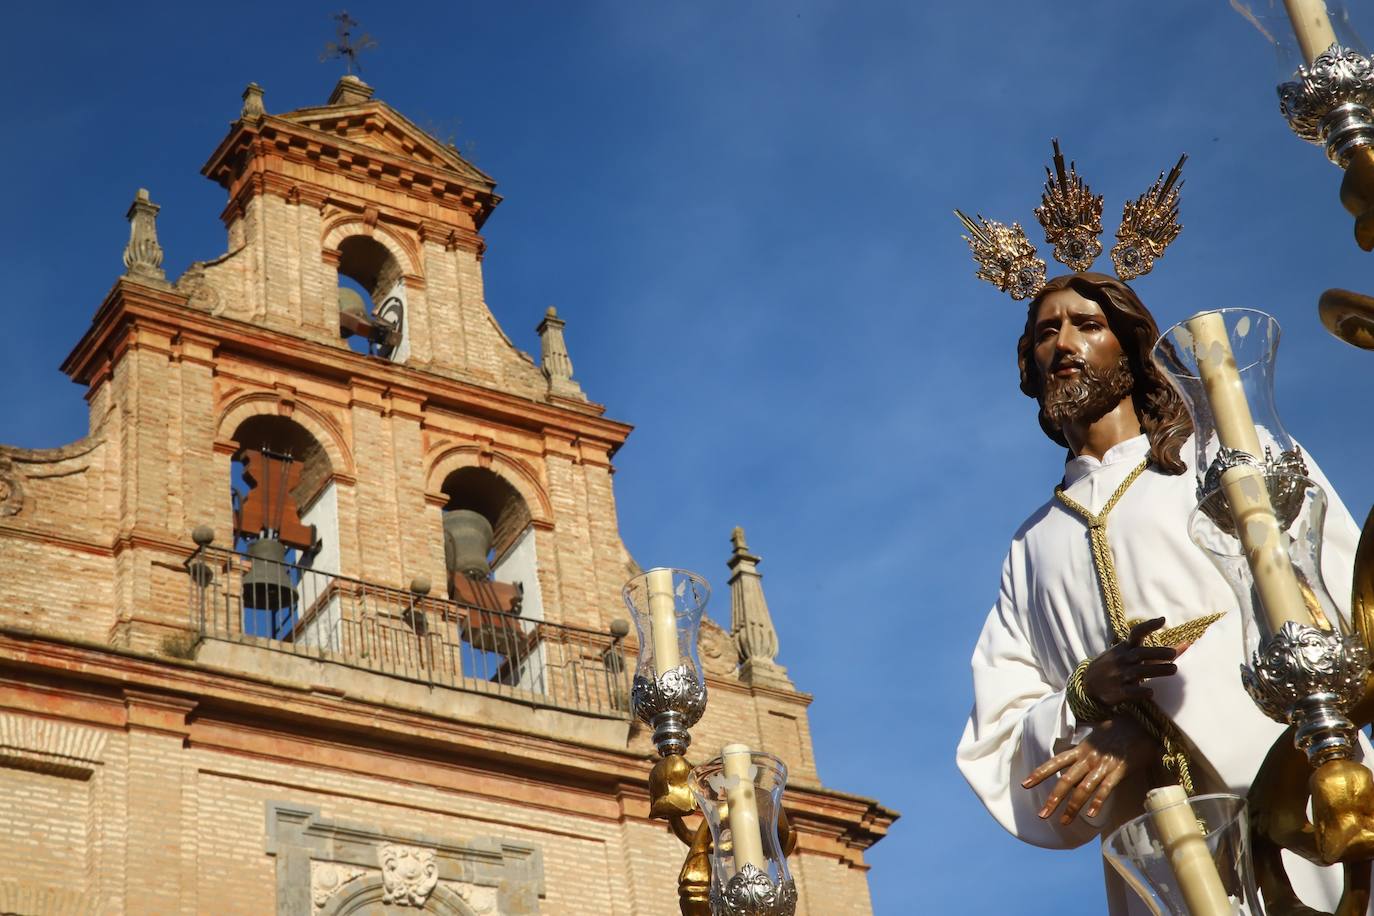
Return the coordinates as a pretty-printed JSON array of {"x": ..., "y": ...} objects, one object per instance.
[{"x": 671, "y": 799}]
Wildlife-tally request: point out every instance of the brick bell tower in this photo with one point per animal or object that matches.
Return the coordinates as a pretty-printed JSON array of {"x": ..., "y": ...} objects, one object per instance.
[{"x": 323, "y": 614}]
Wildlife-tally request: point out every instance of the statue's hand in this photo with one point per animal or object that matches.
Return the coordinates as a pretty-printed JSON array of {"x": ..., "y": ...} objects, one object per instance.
[
  {"x": 1090, "y": 770},
  {"x": 1116, "y": 675}
]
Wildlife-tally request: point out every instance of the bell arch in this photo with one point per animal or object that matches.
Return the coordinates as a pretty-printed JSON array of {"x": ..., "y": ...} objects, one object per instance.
[
  {"x": 348, "y": 225},
  {"x": 323, "y": 428},
  {"x": 286, "y": 463},
  {"x": 513, "y": 472},
  {"x": 374, "y": 272}
]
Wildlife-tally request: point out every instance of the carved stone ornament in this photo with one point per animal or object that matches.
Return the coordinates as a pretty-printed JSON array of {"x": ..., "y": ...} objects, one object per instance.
[
  {"x": 481, "y": 899},
  {"x": 327, "y": 877},
  {"x": 11, "y": 493},
  {"x": 750, "y": 892},
  {"x": 409, "y": 874},
  {"x": 1300, "y": 661},
  {"x": 143, "y": 254},
  {"x": 1313, "y": 102},
  {"x": 677, "y": 690}
]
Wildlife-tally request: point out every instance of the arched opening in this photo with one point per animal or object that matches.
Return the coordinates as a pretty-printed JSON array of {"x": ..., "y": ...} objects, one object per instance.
[
  {"x": 285, "y": 524},
  {"x": 372, "y": 299},
  {"x": 492, "y": 573}
]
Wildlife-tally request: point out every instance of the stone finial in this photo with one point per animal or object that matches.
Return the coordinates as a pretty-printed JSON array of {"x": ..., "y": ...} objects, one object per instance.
[
  {"x": 252, "y": 103},
  {"x": 553, "y": 352},
  {"x": 350, "y": 91},
  {"x": 143, "y": 255},
  {"x": 751, "y": 626}
]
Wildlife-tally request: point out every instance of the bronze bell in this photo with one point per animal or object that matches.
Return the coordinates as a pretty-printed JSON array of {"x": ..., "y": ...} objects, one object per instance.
[
  {"x": 351, "y": 302},
  {"x": 467, "y": 541},
  {"x": 267, "y": 584}
]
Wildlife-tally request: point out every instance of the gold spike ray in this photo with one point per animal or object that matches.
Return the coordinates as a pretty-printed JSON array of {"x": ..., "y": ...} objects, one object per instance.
[
  {"x": 1006, "y": 258},
  {"x": 1071, "y": 215},
  {"x": 1148, "y": 225}
]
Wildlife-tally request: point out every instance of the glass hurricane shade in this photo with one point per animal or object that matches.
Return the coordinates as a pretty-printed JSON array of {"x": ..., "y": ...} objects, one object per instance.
[
  {"x": 1270, "y": 20},
  {"x": 1300, "y": 509},
  {"x": 1253, "y": 337},
  {"x": 748, "y": 874},
  {"x": 1139, "y": 852},
  {"x": 671, "y": 600}
]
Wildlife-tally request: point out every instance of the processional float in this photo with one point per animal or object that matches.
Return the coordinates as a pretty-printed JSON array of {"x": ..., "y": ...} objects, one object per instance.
[
  {"x": 1260, "y": 519},
  {"x": 737, "y": 856}
]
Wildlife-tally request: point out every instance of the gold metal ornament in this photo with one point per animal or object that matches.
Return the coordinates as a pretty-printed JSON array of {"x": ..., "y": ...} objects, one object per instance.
[
  {"x": 1341, "y": 829},
  {"x": 668, "y": 791},
  {"x": 1349, "y": 316},
  {"x": 1072, "y": 219},
  {"x": 1148, "y": 225},
  {"x": 1071, "y": 215},
  {"x": 694, "y": 881},
  {"x": 1006, "y": 258},
  {"x": 1357, "y": 195},
  {"x": 671, "y": 799}
]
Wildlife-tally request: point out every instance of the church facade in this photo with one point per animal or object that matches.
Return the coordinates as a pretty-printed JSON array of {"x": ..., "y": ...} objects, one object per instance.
[{"x": 323, "y": 615}]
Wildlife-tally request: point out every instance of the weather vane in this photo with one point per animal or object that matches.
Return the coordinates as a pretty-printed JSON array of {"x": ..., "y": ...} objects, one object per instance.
[{"x": 345, "y": 48}]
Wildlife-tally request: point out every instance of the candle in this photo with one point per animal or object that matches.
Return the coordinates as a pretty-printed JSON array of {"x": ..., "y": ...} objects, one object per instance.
[
  {"x": 1244, "y": 487},
  {"x": 1312, "y": 26},
  {"x": 663, "y": 620},
  {"x": 738, "y": 767},
  {"x": 1265, "y": 548},
  {"x": 1217, "y": 366},
  {"x": 1186, "y": 849}
]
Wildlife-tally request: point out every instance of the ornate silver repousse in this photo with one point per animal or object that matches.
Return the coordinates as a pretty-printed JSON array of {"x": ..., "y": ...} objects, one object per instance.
[
  {"x": 676, "y": 690},
  {"x": 671, "y": 704},
  {"x": 1285, "y": 490},
  {"x": 1309, "y": 678},
  {"x": 1329, "y": 102},
  {"x": 750, "y": 892}
]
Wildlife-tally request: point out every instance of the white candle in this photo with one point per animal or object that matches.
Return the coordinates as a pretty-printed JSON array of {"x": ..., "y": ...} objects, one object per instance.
[
  {"x": 1265, "y": 547},
  {"x": 1187, "y": 852},
  {"x": 738, "y": 767},
  {"x": 1251, "y": 509},
  {"x": 1221, "y": 380},
  {"x": 662, "y": 620},
  {"x": 1312, "y": 26}
]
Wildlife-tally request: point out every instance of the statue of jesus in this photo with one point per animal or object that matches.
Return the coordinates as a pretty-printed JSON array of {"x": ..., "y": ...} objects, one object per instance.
[{"x": 1102, "y": 590}]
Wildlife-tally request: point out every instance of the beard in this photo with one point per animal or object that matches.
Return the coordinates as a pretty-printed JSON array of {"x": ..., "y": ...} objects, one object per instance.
[{"x": 1087, "y": 397}]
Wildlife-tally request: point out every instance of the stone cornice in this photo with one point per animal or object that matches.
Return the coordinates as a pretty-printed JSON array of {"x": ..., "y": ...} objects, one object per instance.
[
  {"x": 130, "y": 306},
  {"x": 252, "y": 715},
  {"x": 244, "y": 163}
]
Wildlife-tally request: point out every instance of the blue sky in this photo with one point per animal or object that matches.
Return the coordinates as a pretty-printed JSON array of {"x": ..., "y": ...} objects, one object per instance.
[{"x": 743, "y": 212}]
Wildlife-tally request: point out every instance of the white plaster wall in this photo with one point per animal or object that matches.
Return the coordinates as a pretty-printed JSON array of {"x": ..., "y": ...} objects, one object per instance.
[
  {"x": 521, "y": 564},
  {"x": 316, "y": 600}
]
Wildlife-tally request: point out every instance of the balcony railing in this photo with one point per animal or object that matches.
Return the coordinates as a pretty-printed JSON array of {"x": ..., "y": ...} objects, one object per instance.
[{"x": 291, "y": 608}]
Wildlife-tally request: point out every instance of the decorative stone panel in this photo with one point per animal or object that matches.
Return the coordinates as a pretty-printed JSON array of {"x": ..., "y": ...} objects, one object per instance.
[{"x": 333, "y": 868}]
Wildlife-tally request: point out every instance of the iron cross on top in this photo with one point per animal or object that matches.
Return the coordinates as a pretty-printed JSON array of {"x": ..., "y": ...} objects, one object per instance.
[{"x": 344, "y": 48}]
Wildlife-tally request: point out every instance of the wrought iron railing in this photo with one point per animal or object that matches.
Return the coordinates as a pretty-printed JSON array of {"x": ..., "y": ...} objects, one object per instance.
[{"x": 292, "y": 608}]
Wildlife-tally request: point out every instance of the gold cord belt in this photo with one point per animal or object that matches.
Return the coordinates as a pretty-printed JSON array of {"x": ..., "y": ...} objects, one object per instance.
[{"x": 1150, "y": 716}]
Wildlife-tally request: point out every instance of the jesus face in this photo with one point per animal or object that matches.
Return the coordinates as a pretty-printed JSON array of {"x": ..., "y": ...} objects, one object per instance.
[{"x": 1083, "y": 371}]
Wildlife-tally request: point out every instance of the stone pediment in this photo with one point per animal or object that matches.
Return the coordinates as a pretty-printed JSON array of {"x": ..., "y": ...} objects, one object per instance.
[{"x": 376, "y": 125}]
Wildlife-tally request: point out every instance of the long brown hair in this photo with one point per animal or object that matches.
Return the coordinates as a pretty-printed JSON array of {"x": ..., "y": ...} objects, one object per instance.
[{"x": 1163, "y": 418}]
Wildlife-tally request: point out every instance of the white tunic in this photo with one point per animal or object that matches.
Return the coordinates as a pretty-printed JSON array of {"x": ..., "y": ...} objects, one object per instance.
[{"x": 1049, "y": 616}]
